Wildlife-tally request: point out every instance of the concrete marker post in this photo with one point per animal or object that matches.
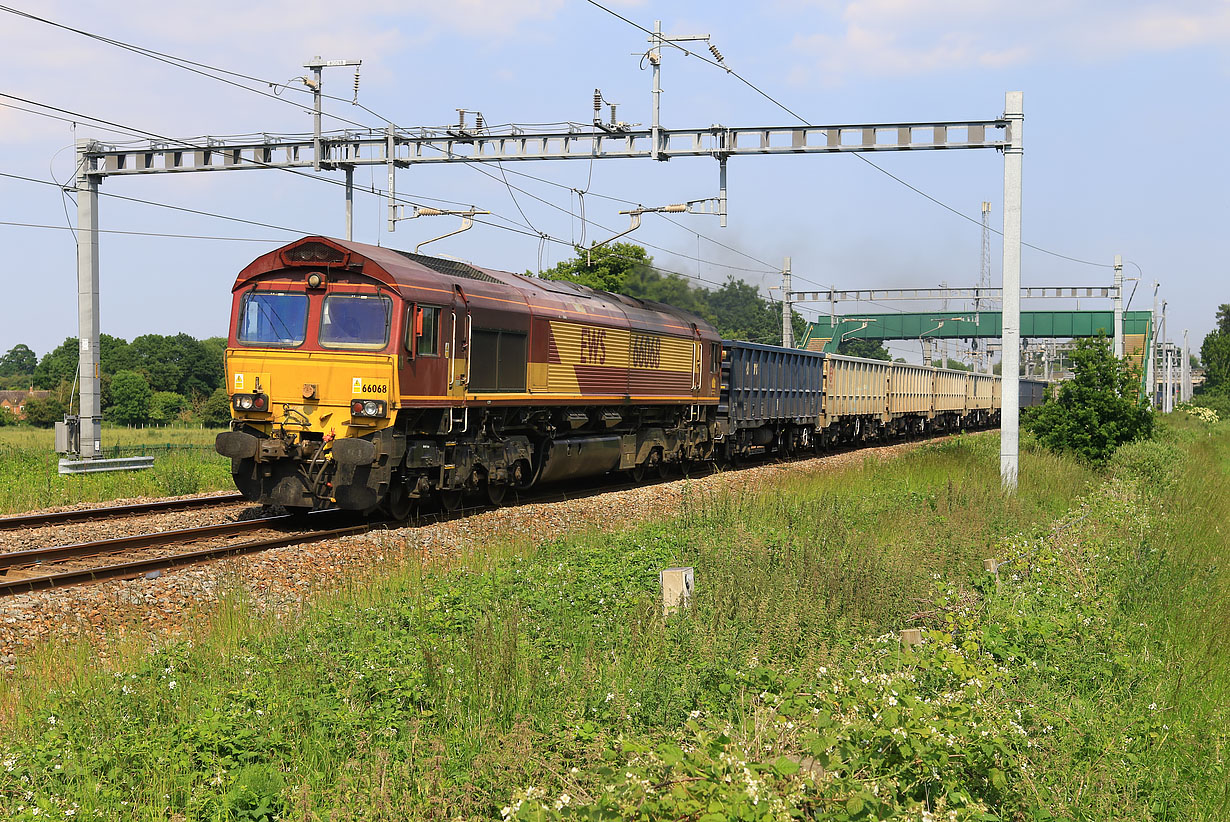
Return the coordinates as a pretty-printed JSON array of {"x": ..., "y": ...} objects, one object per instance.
[{"x": 677, "y": 587}]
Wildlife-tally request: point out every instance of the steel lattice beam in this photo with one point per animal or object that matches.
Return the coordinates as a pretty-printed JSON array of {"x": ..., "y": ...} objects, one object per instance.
[{"x": 409, "y": 148}]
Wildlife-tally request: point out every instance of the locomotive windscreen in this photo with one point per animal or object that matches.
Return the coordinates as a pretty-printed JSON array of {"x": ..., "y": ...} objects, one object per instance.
[
  {"x": 355, "y": 321},
  {"x": 273, "y": 318}
]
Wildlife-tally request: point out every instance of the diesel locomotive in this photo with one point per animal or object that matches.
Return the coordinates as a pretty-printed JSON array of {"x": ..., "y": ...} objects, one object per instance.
[
  {"x": 361, "y": 376},
  {"x": 367, "y": 378}
]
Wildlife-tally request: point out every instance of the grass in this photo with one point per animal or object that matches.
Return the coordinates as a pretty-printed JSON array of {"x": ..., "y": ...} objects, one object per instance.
[
  {"x": 540, "y": 681},
  {"x": 29, "y": 479}
]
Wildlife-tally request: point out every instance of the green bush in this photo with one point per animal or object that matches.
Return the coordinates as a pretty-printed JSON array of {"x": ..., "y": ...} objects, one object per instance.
[
  {"x": 1096, "y": 411},
  {"x": 1219, "y": 401},
  {"x": 131, "y": 395},
  {"x": 165, "y": 406},
  {"x": 215, "y": 412},
  {"x": 45, "y": 412},
  {"x": 1151, "y": 463}
]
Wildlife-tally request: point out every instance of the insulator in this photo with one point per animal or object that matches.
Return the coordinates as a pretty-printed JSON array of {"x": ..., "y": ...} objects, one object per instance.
[
  {"x": 677, "y": 208},
  {"x": 612, "y": 114},
  {"x": 461, "y": 118},
  {"x": 597, "y": 100},
  {"x": 478, "y": 121},
  {"x": 356, "y": 86},
  {"x": 428, "y": 212},
  {"x": 717, "y": 55}
]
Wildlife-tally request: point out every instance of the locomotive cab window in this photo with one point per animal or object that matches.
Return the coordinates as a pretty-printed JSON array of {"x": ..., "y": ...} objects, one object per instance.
[
  {"x": 423, "y": 331},
  {"x": 715, "y": 357},
  {"x": 355, "y": 321},
  {"x": 273, "y": 318}
]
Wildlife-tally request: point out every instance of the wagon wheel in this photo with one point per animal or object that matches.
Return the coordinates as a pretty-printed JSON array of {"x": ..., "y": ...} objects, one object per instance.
[
  {"x": 450, "y": 499},
  {"x": 654, "y": 466},
  {"x": 639, "y": 473}
]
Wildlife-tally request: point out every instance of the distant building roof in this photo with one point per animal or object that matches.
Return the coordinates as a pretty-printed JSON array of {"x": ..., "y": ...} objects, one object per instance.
[{"x": 15, "y": 397}]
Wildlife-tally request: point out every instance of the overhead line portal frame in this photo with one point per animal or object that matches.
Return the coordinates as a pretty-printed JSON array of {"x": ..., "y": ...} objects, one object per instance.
[{"x": 402, "y": 148}]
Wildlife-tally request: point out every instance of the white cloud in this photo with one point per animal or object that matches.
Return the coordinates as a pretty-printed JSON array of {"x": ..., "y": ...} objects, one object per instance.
[{"x": 902, "y": 37}]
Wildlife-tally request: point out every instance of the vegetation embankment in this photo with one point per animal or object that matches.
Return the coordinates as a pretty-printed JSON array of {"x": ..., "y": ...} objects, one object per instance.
[
  {"x": 542, "y": 682},
  {"x": 184, "y": 463}
]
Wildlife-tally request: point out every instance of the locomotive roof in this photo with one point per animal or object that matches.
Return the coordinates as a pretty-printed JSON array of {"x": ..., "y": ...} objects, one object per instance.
[{"x": 409, "y": 270}]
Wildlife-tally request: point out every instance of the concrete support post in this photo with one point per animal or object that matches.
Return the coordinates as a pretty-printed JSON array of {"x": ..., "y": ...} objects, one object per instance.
[
  {"x": 1009, "y": 455},
  {"x": 1167, "y": 391},
  {"x": 1118, "y": 333},
  {"x": 391, "y": 158},
  {"x": 1185, "y": 371},
  {"x": 349, "y": 202},
  {"x": 787, "y": 308},
  {"x": 1151, "y": 353},
  {"x": 316, "y": 66},
  {"x": 1169, "y": 379},
  {"x": 87, "y": 303},
  {"x": 655, "y": 59}
]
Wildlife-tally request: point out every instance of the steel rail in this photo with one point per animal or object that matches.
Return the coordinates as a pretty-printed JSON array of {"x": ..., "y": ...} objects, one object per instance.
[
  {"x": 87, "y": 514},
  {"x": 115, "y": 545},
  {"x": 128, "y": 570}
]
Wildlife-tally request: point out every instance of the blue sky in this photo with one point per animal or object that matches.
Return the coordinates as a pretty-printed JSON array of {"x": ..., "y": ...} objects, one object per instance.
[{"x": 1125, "y": 105}]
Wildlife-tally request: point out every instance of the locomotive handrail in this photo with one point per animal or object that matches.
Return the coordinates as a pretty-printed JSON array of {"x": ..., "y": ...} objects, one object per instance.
[{"x": 465, "y": 378}]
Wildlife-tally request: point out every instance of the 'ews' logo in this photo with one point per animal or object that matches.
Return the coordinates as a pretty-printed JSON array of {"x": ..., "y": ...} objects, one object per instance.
[
  {"x": 646, "y": 351},
  {"x": 593, "y": 345}
]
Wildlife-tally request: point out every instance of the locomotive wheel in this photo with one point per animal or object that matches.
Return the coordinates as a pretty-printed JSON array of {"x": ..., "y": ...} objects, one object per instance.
[
  {"x": 495, "y": 492},
  {"x": 450, "y": 500},
  {"x": 639, "y": 473},
  {"x": 398, "y": 505}
]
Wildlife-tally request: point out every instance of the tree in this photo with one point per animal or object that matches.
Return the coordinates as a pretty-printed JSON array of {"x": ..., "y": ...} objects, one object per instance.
[
  {"x": 1096, "y": 411},
  {"x": 58, "y": 365},
  {"x": 44, "y": 412},
  {"x": 1223, "y": 318},
  {"x": 19, "y": 360},
  {"x": 607, "y": 267},
  {"x": 215, "y": 412},
  {"x": 165, "y": 406},
  {"x": 7, "y": 417},
  {"x": 736, "y": 309},
  {"x": 1215, "y": 354},
  {"x": 131, "y": 397},
  {"x": 867, "y": 349},
  {"x": 740, "y": 313}
]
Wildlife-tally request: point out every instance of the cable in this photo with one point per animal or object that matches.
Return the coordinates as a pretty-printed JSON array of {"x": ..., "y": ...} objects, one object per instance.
[
  {"x": 805, "y": 122},
  {"x": 179, "y": 62},
  {"x": 144, "y": 233},
  {"x": 61, "y": 119},
  {"x": 188, "y": 65},
  {"x": 148, "y": 134},
  {"x": 161, "y": 205}
]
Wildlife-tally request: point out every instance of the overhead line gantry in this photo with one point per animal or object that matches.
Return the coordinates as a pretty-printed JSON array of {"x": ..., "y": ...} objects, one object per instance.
[{"x": 398, "y": 148}]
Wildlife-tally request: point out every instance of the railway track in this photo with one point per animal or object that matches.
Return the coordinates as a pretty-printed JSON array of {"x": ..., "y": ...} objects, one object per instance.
[
  {"x": 24, "y": 561},
  {"x": 37, "y": 557},
  {"x": 27, "y": 560},
  {"x": 114, "y": 511}
]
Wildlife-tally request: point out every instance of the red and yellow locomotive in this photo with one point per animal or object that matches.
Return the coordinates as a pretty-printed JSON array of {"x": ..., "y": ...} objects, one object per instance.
[{"x": 365, "y": 377}]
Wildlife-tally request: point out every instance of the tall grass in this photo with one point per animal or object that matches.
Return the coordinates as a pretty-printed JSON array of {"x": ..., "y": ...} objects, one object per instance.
[
  {"x": 29, "y": 478},
  {"x": 437, "y": 692}
]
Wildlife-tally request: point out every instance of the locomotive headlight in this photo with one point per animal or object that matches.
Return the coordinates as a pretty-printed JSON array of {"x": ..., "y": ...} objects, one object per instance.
[
  {"x": 368, "y": 408},
  {"x": 244, "y": 401}
]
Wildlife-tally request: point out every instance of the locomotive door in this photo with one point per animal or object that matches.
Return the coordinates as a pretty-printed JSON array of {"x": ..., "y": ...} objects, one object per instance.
[
  {"x": 461, "y": 334},
  {"x": 697, "y": 369}
]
